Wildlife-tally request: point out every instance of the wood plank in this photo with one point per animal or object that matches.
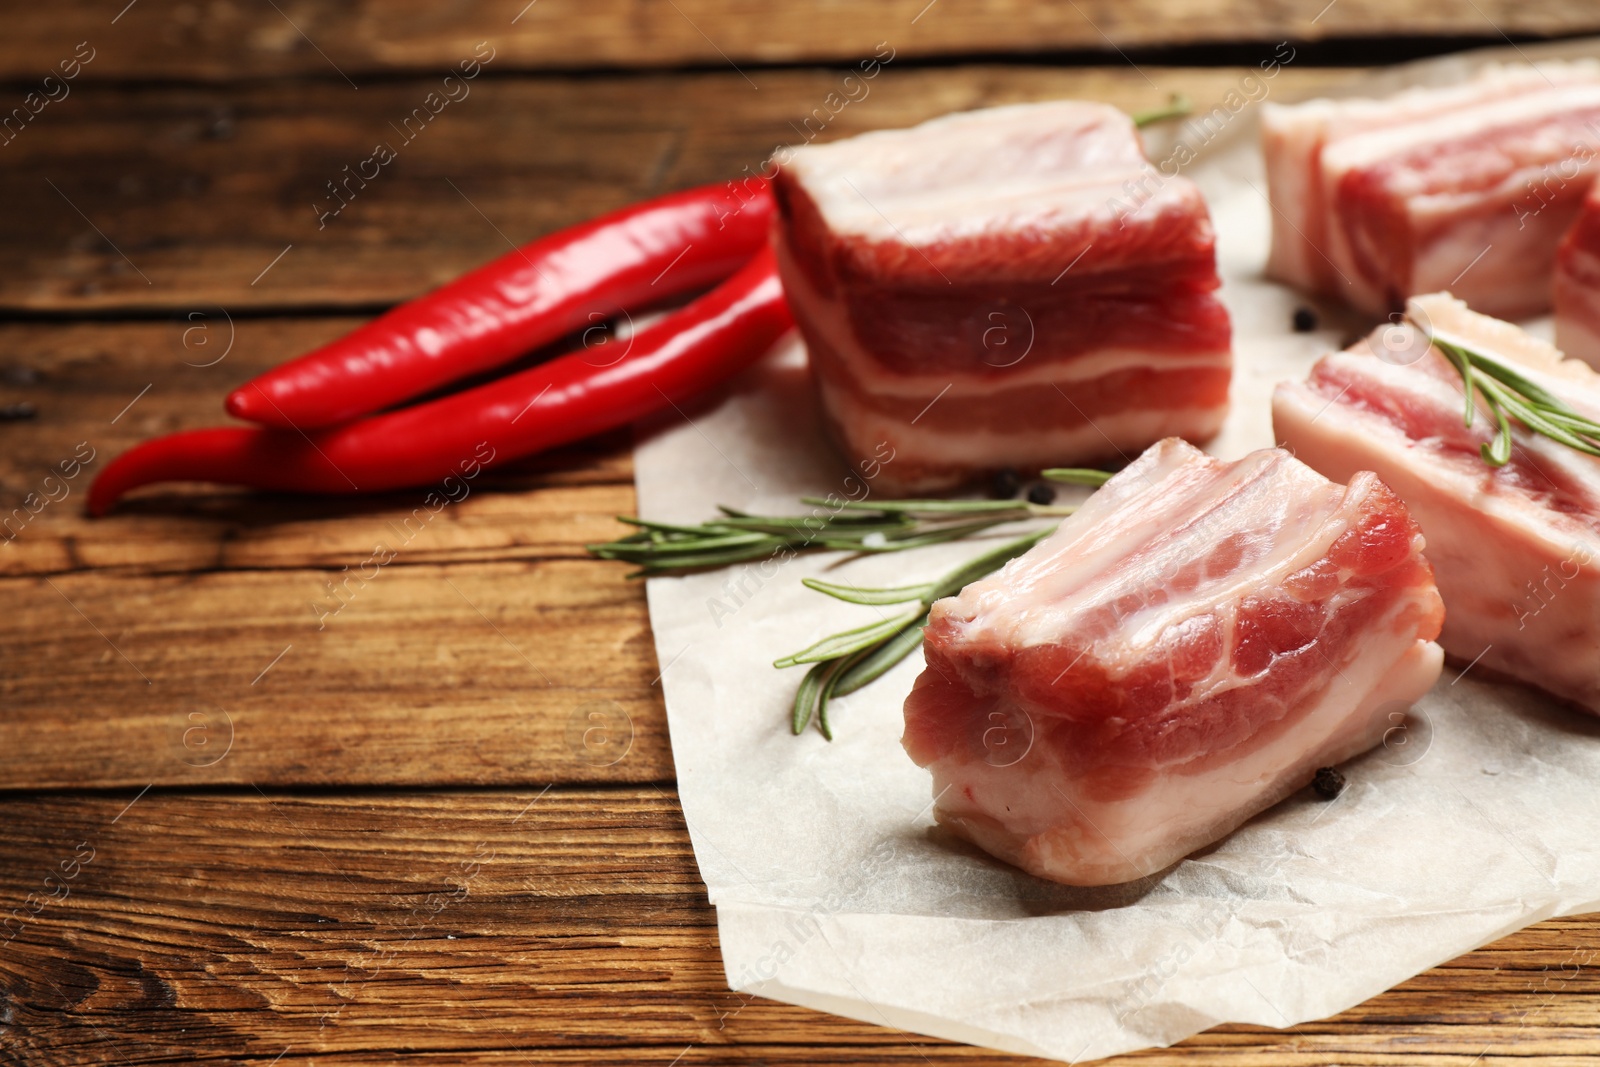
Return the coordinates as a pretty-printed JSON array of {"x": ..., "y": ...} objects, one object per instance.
[
  {"x": 558, "y": 927},
  {"x": 468, "y": 927},
  {"x": 173, "y": 39},
  {"x": 199, "y": 591},
  {"x": 184, "y": 197},
  {"x": 413, "y": 674},
  {"x": 101, "y": 387}
]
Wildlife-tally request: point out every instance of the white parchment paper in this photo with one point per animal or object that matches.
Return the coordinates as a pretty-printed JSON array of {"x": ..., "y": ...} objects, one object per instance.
[{"x": 834, "y": 890}]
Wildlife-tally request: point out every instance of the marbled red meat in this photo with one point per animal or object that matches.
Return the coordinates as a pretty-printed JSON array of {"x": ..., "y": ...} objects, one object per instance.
[
  {"x": 1469, "y": 187},
  {"x": 1016, "y": 287},
  {"x": 1576, "y": 288},
  {"x": 1184, "y": 652},
  {"x": 1516, "y": 548}
]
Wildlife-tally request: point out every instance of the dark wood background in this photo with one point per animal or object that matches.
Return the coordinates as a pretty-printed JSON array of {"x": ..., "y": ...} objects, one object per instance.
[{"x": 231, "y": 836}]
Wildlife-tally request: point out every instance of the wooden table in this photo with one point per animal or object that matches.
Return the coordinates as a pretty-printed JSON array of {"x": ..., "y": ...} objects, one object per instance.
[{"x": 240, "y": 829}]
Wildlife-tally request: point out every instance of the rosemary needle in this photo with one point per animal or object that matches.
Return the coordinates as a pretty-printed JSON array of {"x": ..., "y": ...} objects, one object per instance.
[
  {"x": 1177, "y": 107},
  {"x": 1077, "y": 476},
  {"x": 855, "y": 526},
  {"x": 1508, "y": 394},
  {"x": 844, "y": 662}
]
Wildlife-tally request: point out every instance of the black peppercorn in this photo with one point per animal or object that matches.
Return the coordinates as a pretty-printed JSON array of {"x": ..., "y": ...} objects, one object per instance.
[
  {"x": 1305, "y": 320},
  {"x": 1041, "y": 494},
  {"x": 1005, "y": 484},
  {"x": 1328, "y": 783}
]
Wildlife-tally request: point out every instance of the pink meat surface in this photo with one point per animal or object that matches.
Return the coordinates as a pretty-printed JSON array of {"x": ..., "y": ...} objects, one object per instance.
[
  {"x": 1469, "y": 187},
  {"x": 1183, "y": 653},
  {"x": 1516, "y": 549},
  {"x": 1577, "y": 285},
  {"x": 1015, "y": 287}
]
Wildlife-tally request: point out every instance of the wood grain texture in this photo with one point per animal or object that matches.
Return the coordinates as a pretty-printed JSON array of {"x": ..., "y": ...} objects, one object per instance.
[
  {"x": 419, "y": 675},
  {"x": 183, "y": 198},
  {"x": 101, "y": 387},
  {"x": 359, "y": 40},
  {"x": 130, "y": 646},
  {"x": 566, "y": 926},
  {"x": 178, "y": 644}
]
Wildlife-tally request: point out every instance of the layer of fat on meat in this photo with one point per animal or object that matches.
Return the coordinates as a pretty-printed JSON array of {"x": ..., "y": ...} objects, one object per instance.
[
  {"x": 1169, "y": 500},
  {"x": 965, "y": 173},
  {"x": 1106, "y": 435},
  {"x": 1522, "y": 112}
]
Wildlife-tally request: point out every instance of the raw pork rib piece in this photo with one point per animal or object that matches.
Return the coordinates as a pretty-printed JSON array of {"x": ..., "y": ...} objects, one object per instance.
[
  {"x": 1577, "y": 285},
  {"x": 1183, "y": 653},
  {"x": 1376, "y": 200},
  {"x": 1015, "y": 287},
  {"x": 1516, "y": 549}
]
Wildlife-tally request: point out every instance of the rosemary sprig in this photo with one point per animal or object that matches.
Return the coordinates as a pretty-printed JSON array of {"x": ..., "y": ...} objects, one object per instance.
[
  {"x": 844, "y": 662},
  {"x": 855, "y": 526},
  {"x": 1177, "y": 107},
  {"x": 1509, "y": 394}
]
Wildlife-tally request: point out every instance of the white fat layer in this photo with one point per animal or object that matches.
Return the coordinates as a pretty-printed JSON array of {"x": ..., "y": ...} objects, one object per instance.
[
  {"x": 1036, "y": 372},
  {"x": 1340, "y": 118},
  {"x": 918, "y": 444},
  {"x": 1097, "y": 559},
  {"x": 1523, "y": 112},
  {"x": 958, "y": 173}
]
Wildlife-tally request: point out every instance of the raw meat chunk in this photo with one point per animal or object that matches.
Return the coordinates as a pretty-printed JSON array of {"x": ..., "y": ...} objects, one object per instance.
[
  {"x": 1516, "y": 548},
  {"x": 1469, "y": 188},
  {"x": 1183, "y": 653},
  {"x": 1577, "y": 285},
  {"x": 1015, "y": 287}
]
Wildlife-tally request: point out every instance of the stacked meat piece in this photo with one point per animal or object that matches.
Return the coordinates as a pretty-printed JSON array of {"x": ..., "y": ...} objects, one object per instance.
[
  {"x": 1184, "y": 652},
  {"x": 1469, "y": 188},
  {"x": 1516, "y": 548},
  {"x": 1015, "y": 287}
]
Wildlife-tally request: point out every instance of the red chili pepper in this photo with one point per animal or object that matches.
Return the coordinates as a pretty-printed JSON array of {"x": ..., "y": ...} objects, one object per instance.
[
  {"x": 580, "y": 277},
  {"x": 564, "y": 400}
]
